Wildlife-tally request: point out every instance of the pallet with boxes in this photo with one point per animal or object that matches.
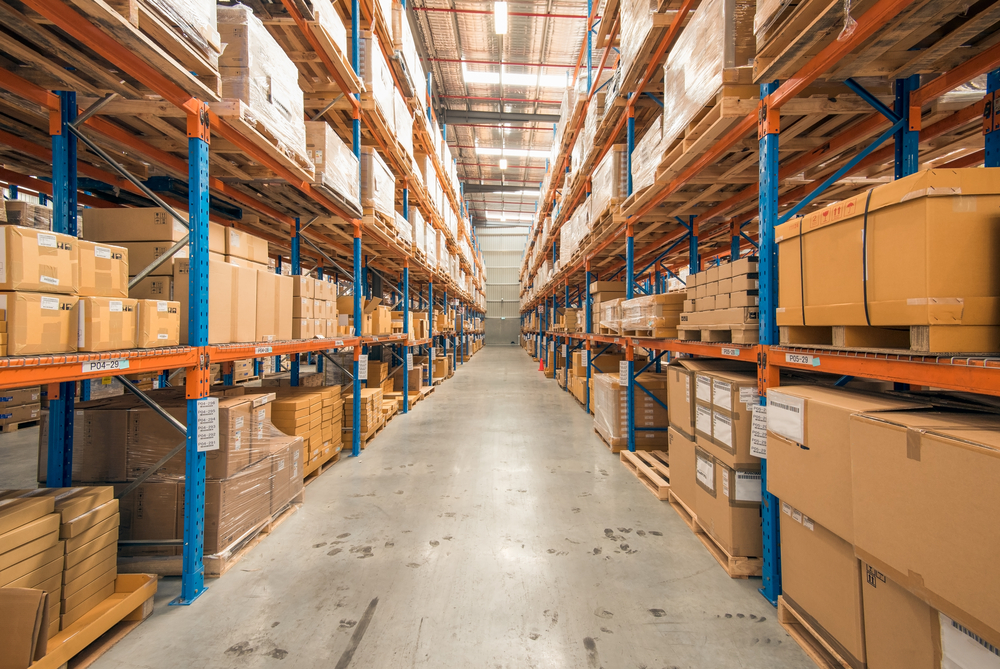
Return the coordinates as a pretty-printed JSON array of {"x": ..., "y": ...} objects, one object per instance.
[{"x": 722, "y": 304}]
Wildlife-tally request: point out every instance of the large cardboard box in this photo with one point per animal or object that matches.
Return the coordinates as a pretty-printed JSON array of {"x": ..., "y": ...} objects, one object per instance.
[
  {"x": 244, "y": 310},
  {"x": 683, "y": 480},
  {"x": 303, "y": 286},
  {"x": 220, "y": 299},
  {"x": 233, "y": 453},
  {"x": 134, "y": 224},
  {"x": 241, "y": 244},
  {"x": 142, "y": 254},
  {"x": 102, "y": 270},
  {"x": 891, "y": 256},
  {"x": 728, "y": 504},
  {"x": 821, "y": 580},
  {"x": 153, "y": 288},
  {"x": 237, "y": 505},
  {"x": 159, "y": 323},
  {"x": 37, "y": 261},
  {"x": 106, "y": 324},
  {"x": 38, "y": 323},
  {"x": 681, "y": 388},
  {"x": 724, "y": 406},
  {"x": 903, "y": 632},
  {"x": 286, "y": 471},
  {"x": 925, "y": 500},
  {"x": 809, "y": 449}
]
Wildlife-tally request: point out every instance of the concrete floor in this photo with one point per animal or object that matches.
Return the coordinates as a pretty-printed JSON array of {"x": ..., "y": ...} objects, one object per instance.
[{"x": 489, "y": 528}]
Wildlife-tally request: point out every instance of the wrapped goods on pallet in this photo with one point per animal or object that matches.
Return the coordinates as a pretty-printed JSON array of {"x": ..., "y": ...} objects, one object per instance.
[
  {"x": 335, "y": 163},
  {"x": 195, "y": 20},
  {"x": 718, "y": 37},
  {"x": 646, "y": 156},
  {"x": 659, "y": 313},
  {"x": 328, "y": 18},
  {"x": 418, "y": 229},
  {"x": 595, "y": 112},
  {"x": 636, "y": 18},
  {"x": 256, "y": 70},
  {"x": 611, "y": 314},
  {"x": 403, "y": 42},
  {"x": 610, "y": 406},
  {"x": 378, "y": 185},
  {"x": 566, "y": 108},
  {"x": 375, "y": 72},
  {"x": 403, "y": 122},
  {"x": 430, "y": 247},
  {"x": 403, "y": 228},
  {"x": 19, "y": 212},
  {"x": 609, "y": 183},
  {"x": 899, "y": 263},
  {"x": 573, "y": 231}
]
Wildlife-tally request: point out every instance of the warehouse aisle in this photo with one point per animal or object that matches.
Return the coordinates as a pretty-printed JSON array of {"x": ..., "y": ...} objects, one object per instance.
[{"x": 489, "y": 528}]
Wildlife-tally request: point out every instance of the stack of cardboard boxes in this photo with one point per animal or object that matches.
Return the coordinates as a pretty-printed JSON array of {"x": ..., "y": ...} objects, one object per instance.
[
  {"x": 371, "y": 412},
  {"x": 377, "y": 318},
  {"x": 19, "y": 212},
  {"x": 314, "y": 310},
  {"x": 19, "y": 405},
  {"x": 315, "y": 415},
  {"x": 721, "y": 304},
  {"x": 62, "y": 541},
  {"x": 606, "y": 299},
  {"x": 610, "y": 405},
  {"x": 653, "y": 315}
]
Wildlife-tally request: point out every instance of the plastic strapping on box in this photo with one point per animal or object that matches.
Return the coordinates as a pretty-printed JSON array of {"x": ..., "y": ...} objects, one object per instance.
[{"x": 194, "y": 19}]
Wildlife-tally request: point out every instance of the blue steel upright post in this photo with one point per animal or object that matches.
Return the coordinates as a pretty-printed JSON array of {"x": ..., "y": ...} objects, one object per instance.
[
  {"x": 430, "y": 325},
  {"x": 629, "y": 351},
  {"x": 406, "y": 333},
  {"x": 991, "y": 120},
  {"x": 356, "y": 125},
  {"x": 767, "y": 136},
  {"x": 296, "y": 271},
  {"x": 588, "y": 324},
  {"x": 907, "y": 139},
  {"x": 192, "y": 568},
  {"x": 59, "y": 470}
]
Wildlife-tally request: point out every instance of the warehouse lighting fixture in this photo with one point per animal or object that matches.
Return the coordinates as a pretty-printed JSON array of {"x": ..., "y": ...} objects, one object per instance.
[
  {"x": 500, "y": 17},
  {"x": 503, "y": 163},
  {"x": 510, "y": 216},
  {"x": 514, "y": 78},
  {"x": 523, "y": 193},
  {"x": 511, "y": 153}
]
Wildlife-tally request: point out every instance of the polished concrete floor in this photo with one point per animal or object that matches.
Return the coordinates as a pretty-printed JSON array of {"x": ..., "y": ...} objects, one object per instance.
[{"x": 489, "y": 528}]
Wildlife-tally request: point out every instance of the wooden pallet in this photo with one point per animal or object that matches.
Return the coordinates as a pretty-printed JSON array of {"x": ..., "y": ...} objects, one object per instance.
[
  {"x": 813, "y": 644},
  {"x": 238, "y": 114},
  {"x": 14, "y": 427},
  {"x": 651, "y": 468},
  {"x": 652, "y": 333},
  {"x": 426, "y": 390},
  {"x": 735, "y": 566},
  {"x": 719, "y": 333},
  {"x": 80, "y": 644},
  {"x": 315, "y": 470},
  {"x": 926, "y": 339},
  {"x": 689, "y": 517},
  {"x": 607, "y": 442}
]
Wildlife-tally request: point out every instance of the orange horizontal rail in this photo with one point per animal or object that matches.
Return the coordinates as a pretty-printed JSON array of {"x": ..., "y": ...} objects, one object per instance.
[{"x": 41, "y": 370}]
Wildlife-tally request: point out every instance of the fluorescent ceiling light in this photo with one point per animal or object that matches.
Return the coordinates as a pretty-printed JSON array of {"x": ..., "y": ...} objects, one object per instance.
[
  {"x": 500, "y": 17},
  {"x": 522, "y": 193},
  {"x": 510, "y": 216},
  {"x": 503, "y": 163},
  {"x": 512, "y": 153},
  {"x": 514, "y": 78}
]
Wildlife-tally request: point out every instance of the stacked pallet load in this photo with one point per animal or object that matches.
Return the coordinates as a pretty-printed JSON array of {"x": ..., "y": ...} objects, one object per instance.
[
  {"x": 609, "y": 400},
  {"x": 722, "y": 304},
  {"x": 314, "y": 308},
  {"x": 333, "y": 161},
  {"x": 310, "y": 413},
  {"x": 653, "y": 315},
  {"x": 19, "y": 406},
  {"x": 27, "y": 214},
  {"x": 606, "y": 298},
  {"x": 899, "y": 279},
  {"x": 371, "y": 413}
]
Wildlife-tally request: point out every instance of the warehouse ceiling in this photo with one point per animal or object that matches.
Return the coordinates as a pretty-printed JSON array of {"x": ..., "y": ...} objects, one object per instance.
[{"x": 489, "y": 88}]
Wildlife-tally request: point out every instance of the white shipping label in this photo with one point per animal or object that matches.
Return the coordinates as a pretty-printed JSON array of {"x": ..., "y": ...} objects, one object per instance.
[
  {"x": 409, "y": 362},
  {"x": 623, "y": 373},
  {"x": 722, "y": 394},
  {"x": 115, "y": 306},
  {"x": 234, "y": 238},
  {"x": 808, "y": 523},
  {"x": 786, "y": 416},
  {"x": 704, "y": 388},
  {"x": 239, "y": 422},
  {"x": 748, "y": 487},
  {"x": 51, "y": 303},
  {"x": 961, "y": 648},
  {"x": 48, "y": 241},
  {"x": 102, "y": 252},
  {"x": 786, "y": 508},
  {"x": 703, "y": 420},
  {"x": 208, "y": 424},
  {"x": 705, "y": 470},
  {"x": 796, "y": 515},
  {"x": 363, "y": 367},
  {"x": 758, "y": 432},
  {"x": 722, "y": 429},
  {"x": 161, "y": 306},
  {"x": 725, "y": 484},
  {"x": 749, "y": 397},
  {"x": 51, "y": 280}
]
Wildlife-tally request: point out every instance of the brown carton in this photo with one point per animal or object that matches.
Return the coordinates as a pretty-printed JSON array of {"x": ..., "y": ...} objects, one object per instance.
[
  {"x": 304, "y": 286},
  {"x": 233, "y": 453},
  {"x": 133, "y": 224},
  {"x": 283, "y": 308},
  {"x": 38, "y": 323},
  {"x": 303, "y": 307},
  {"x": 235, "y": 506},
  {"x": 18, "y": 511},
  {"x": 220, "y": 299},
  {"x": 153, "y": 288},
  {"x": 154, "y": 510},
  {"x": 102, "y": 270},
  {"x": 142, "y": 254},
  {"x": 37, "y": 261},
  {"x": 244, "y": 304},
  {"x": 24, "y": 623},
  {"x": 728, "y": 503},
  {"x": 21, "y": 413},
  {"x": 683, "y": 481},
  {"x": 724, "y": 415},
  {"x": 106, "y": 324},
  {"x": 681, "y": 388},
  {"x": 26, "y": 533},
  {"x": 16, "y": 396},
  {"x": 266, "y": 323},
  {"x": 21, "y": 569},
  {"x": 159, "y": 324}
]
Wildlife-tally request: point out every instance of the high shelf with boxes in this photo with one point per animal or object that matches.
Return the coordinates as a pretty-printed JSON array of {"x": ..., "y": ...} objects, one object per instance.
[
  {"x": 834, "y": 264},
  {"x": 171, "y": 148}
]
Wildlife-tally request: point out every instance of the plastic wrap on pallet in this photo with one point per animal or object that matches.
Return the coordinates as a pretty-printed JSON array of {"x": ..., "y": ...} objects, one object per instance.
[
  {"x": 430, "y": 239},
  {"x": 693, "y": 73},
  {"x": 255, "y": 69},
  {"x": 565, "y": 112},
  {"x": 768, "y": 11},
  {"x": 26, "y": 214},
  {"x": 335, "y": 163},
  {"x": 636, "y": 18},
  {"x": 611, "y": 314},
  {"x": 402, "y": 41},
  {"x": 376, "y": 74},
  {"x": 595, "y": 113},
  {"x": 327, "y": 16},
  {"x": 647, "y": 155},
  {"x": 609, "y": 180},
  {"x": 612, "y": 90},
  {"x": 610, "y": 410},
  {"x": 194, "y": 19},
  {"x": 652, "y": 311},
  {"x": 403, "y": 228},
  {"x": 378, "y": 185},
  {"x": 417, "y": 229},
  {"x": 404, "y": 122}
]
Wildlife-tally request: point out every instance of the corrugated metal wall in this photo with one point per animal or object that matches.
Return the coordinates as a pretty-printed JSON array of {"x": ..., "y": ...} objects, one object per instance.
[{"x": 503, "y": 249}]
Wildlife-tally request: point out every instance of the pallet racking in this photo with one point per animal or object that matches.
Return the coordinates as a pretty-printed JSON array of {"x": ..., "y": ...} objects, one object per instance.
[
  {"x": 153, "y": 127},
  {"x": 732, "y": 187}
]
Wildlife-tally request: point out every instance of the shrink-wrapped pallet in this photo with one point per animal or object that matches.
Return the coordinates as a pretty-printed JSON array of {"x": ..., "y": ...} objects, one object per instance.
[
  {"x": 375, "y": 72},
  {"x": 417, "y": 229},
  {"x": 647, "y": 155},
  {"x": 378, "y": 185},
  {"x": 195, "y": 20},
  {"x": 651, "y": 312},
  {"x": 336, "y": 166},
  {"x": 609, "y": 182},
  {"x": 636, "y": 18}
]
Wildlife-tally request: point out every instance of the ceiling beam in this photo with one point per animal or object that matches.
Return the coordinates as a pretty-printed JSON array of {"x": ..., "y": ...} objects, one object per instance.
[
  {"x": 461, "y": 116},
  {"x": 498, "y": 188}
]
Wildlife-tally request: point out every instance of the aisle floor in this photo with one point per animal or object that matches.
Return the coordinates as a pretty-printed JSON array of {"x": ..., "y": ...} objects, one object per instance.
[{"x": 489, "y": 528}]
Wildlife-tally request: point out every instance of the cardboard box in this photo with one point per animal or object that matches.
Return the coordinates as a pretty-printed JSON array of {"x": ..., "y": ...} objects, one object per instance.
[
  {"x": 37, "y": 261},
  {"x": 745, "y": 298},
  {"x": 895, "y": 255},
  {"x": 821, "y": 579},
  {"x": 728, "y": 503},
  {"x": 153, "y": 288},
  {"x": 286, "y": 472},
  {"x": 85, "y": 521},
  {"x": 303, "y": 286},
  {"x": 159, "y": 323},
  {"x": 133, "y": 224},
  {"x": 683, "y": 480},
  {"x": 32, "y": 563},
  {"x": 19, "y": 511},
  {"x": 106, "y": 324},
  {"x": 266, "y": 322},
  {"x": 233, "y": 453},
  {"x": 96, "y": 544},
  {"x": 142, "y": 254},
  {"x": 303, "y": 328},
  {"x": 237, "y": 505},
  {"x": 303, "y": 307},
  {"x": 244, "y": 309},
  {"x": 924, "y": 495},
  {"x": 102, "y": 270},
  {"x": 154, "y": 510},
  {"x": 21, "y": 413},
  {"x": 24, "y": 623},
  {"x": 220, "y": 299},
  {"x": 809, "y": 449},
  {"x": 38, "y": 323}
]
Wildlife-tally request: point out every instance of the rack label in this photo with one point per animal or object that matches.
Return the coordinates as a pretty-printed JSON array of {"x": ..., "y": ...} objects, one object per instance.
[
  {"x": 758, "y": 432},
  {"x": 409, "y": 362},
  {"x": 800, "y": 359},
  {"x": 363, "y": 367},
  {"x": 732, "y": 352},
  {"x": 338, "y": 342},
  {"x": 564, "y": 351},
  {"x": 623, "y": 372},
  {"x": 208, "y": 424},
  {"x": 105, "y": 365},
  {"x": 262, "y": 350}
]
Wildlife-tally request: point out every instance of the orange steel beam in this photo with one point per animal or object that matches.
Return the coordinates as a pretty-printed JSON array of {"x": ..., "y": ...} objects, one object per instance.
[
  {"x": 979, "y": 64},
  {"x": 971, "y": 160},
  {"x": 29, "y": 91},
  {"x": 300, "y": 21},
  {"x": 870, "y": 21}
]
